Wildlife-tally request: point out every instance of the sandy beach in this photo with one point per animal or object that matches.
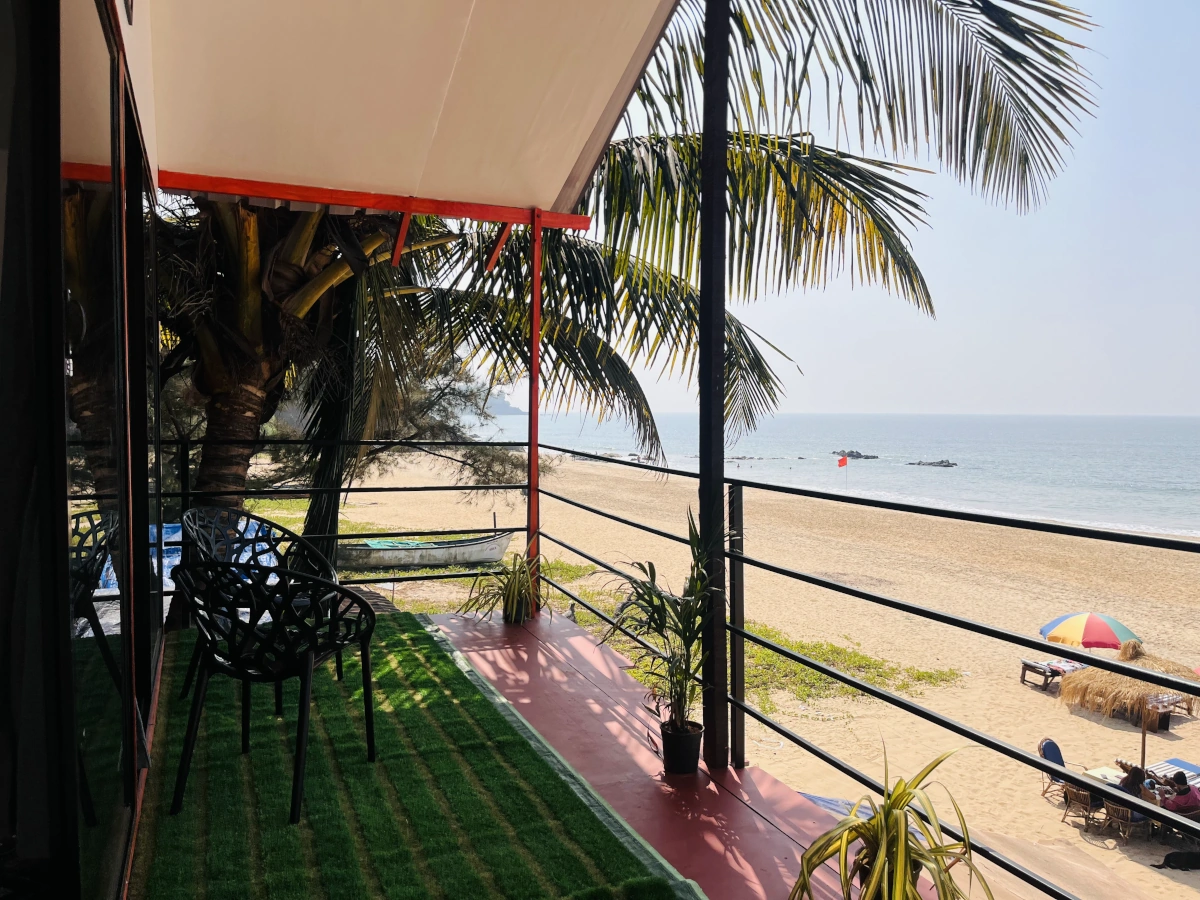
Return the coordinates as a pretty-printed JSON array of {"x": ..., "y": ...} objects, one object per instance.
[{"x": 1013, "y": 579}]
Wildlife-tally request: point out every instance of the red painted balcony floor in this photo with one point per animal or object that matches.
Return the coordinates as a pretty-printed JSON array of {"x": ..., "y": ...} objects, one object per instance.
[{"x": 738, "y": 834}]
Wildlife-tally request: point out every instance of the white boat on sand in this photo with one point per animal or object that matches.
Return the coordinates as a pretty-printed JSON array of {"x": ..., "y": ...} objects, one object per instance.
[{"x": 399, "y": 554}]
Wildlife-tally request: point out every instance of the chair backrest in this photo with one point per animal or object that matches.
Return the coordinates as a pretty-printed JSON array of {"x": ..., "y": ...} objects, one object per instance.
[
  {"x": 91, "y": 534},
  {"x": 1049, "y": 751},
  {"x": 236, "y": 536},
  {"x": 1118, "y": 813},
  {"x": 1077, "y": 795},
  {"x": 260, "y": 622}
]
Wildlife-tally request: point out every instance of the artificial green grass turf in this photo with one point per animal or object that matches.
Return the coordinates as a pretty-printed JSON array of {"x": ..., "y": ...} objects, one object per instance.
[{"x": 458, "y": 803}]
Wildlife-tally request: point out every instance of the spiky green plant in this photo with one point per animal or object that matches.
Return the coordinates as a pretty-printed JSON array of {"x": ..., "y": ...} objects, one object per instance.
[
  {"x": 673, "y": 625},
  {"x": 893, "y": 846},
  {"x": 513, "y": 587}
]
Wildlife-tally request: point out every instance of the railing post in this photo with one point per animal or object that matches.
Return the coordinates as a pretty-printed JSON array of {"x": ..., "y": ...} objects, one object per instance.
[{"x": 737, "y": 618}]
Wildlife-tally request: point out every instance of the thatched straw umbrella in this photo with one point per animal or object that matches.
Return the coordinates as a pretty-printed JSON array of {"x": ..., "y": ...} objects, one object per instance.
[{"x": 1109, "y": 693}]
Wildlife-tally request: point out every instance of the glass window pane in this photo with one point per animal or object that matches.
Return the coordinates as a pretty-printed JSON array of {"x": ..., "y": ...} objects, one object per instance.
[{"x": 99, "y": 595}]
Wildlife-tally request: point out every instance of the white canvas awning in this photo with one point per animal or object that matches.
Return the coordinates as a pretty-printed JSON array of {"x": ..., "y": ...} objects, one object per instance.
[{"x": 497, "y": 102}]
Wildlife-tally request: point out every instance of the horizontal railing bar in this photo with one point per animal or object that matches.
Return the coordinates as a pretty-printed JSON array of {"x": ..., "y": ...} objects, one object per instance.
[
  {"x": 592, "y": 559},
  {"x": 615, "y": 571},
  {"x": 641, "y": 642},
  {"x": 332, "y": 442},
  {"x": 986, "y": 740},
  {"x": 1151, "y": 676},
  {"x": 614, "y": 517},
  {"x": 288, "y": 492},
  {"x": 1099, "y": 534},
  {"x": 432, "y": 576},
  {"x": 650, "y": 467},
  {"x": 395, "y": 534},
  {"x": 1014, "y": 868}
]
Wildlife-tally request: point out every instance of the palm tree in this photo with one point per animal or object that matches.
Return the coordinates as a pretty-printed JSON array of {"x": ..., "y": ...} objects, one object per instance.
[{"x": 259, "y": 299}]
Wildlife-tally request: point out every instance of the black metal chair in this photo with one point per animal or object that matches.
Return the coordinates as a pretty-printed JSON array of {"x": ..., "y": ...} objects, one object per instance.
[
  {"x": 268, "y": 625},
  {"x": 236, "y": 536},
  {"x": 91, "y": 534}
]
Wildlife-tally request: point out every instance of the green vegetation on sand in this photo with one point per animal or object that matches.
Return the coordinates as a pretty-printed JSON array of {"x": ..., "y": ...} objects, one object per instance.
[{"x": 767, "y": 674}]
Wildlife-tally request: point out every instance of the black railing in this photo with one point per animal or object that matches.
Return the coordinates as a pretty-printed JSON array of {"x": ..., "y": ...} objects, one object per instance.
[
  {"x": 738, "y": 635},
  {"x": 737, "y": 559},
  {"x": 188, "y": 497}
]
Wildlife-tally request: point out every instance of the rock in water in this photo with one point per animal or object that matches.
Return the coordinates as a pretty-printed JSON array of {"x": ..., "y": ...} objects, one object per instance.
[
  {"x": 939, "y": 464},
  {"x": 853, "y": 454}
]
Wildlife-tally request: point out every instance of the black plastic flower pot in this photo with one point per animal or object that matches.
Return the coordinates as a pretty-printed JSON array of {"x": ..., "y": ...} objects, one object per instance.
[{"x": 681, "y": 749}]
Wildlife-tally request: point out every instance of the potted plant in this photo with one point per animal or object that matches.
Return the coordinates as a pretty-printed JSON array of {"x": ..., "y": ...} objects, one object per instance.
[
  {"x": 511, "y": 587},
  {"x": 672, "y": 624},
  {"x": 887, "y": 846}
]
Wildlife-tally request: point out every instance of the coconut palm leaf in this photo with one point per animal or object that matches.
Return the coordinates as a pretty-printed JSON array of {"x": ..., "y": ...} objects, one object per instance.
[
  {"x": 989, "y": 86},
  {"x": 620, "y": 311},
  {"x": 799, "y": 214}
]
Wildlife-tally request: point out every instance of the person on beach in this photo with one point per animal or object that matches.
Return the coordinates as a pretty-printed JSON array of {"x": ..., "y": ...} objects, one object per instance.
[
  {"x": 1132, "y": 785},
  {"x": 1186, "y": 796}
]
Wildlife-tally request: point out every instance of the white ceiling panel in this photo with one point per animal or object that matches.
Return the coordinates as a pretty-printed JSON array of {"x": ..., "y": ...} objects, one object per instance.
[{"x": 477, "y": 101}]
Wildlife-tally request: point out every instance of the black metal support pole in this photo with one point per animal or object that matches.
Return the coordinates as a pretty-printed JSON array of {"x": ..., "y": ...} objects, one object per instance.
[
  {"x": 737, "y": 643},
  {"x": 714, "y": 166}
]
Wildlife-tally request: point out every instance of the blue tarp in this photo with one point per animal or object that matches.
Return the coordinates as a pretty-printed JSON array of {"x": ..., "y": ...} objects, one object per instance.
[{"x": 172, "y": 556}]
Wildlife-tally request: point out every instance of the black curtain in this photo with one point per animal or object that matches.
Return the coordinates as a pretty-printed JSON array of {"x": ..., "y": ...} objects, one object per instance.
[{"x": 38, "y": 841}]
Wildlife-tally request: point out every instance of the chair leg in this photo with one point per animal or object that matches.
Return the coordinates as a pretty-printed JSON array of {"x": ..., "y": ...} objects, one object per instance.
[
  {"x": 337, "y": 664},
  {"x": 279, "y": 698},
  {"x": 197, "y": 650},
  {"x": 246, "y": 716},
  {"x": 302, "y": 738},
  {"x": 368, "y": 701},
  {"x": 189, "y": 740}
]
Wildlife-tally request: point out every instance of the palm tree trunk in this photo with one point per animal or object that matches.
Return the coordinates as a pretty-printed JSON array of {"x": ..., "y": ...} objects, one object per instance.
[
  {"x": 92, "y": 404},
  {"x": 234, "y": 418}
]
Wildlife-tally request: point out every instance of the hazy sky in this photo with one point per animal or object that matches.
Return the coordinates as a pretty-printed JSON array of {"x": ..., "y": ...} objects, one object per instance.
[{"x": 1089, "y": 305}]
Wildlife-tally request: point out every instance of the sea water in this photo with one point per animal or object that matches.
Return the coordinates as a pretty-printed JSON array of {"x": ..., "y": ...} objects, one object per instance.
[{"x": 1123, "y": 473}]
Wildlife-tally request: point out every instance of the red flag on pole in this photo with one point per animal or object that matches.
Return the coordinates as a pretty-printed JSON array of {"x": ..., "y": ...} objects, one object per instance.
[{"x": 842, "y": 460}]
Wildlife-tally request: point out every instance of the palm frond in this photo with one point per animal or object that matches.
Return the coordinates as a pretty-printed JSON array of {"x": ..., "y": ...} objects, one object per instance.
[
  {"x": 578, "y": 366},
  {"x": 991, "y": 87},
  {"x": 799, "y": 214},
  {"x": 604, "y": 311}
]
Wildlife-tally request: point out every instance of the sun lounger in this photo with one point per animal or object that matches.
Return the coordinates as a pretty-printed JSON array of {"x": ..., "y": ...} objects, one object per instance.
[
  {"x": 1049, "y": 670},
  {"x": 1166, "y": 770}
]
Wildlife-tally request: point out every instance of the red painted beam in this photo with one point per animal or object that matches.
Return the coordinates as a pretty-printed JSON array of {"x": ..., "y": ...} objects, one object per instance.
[
  {"x": 90, "y": 172},
  {"x": 501, "y": 240},
  {"x": 451, "y": 209},
  {"x": 401, "y": 237}
]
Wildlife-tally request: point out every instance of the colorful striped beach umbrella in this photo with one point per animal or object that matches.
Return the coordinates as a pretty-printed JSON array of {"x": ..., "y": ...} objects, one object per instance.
[{"x": 1088, "y": 630}]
